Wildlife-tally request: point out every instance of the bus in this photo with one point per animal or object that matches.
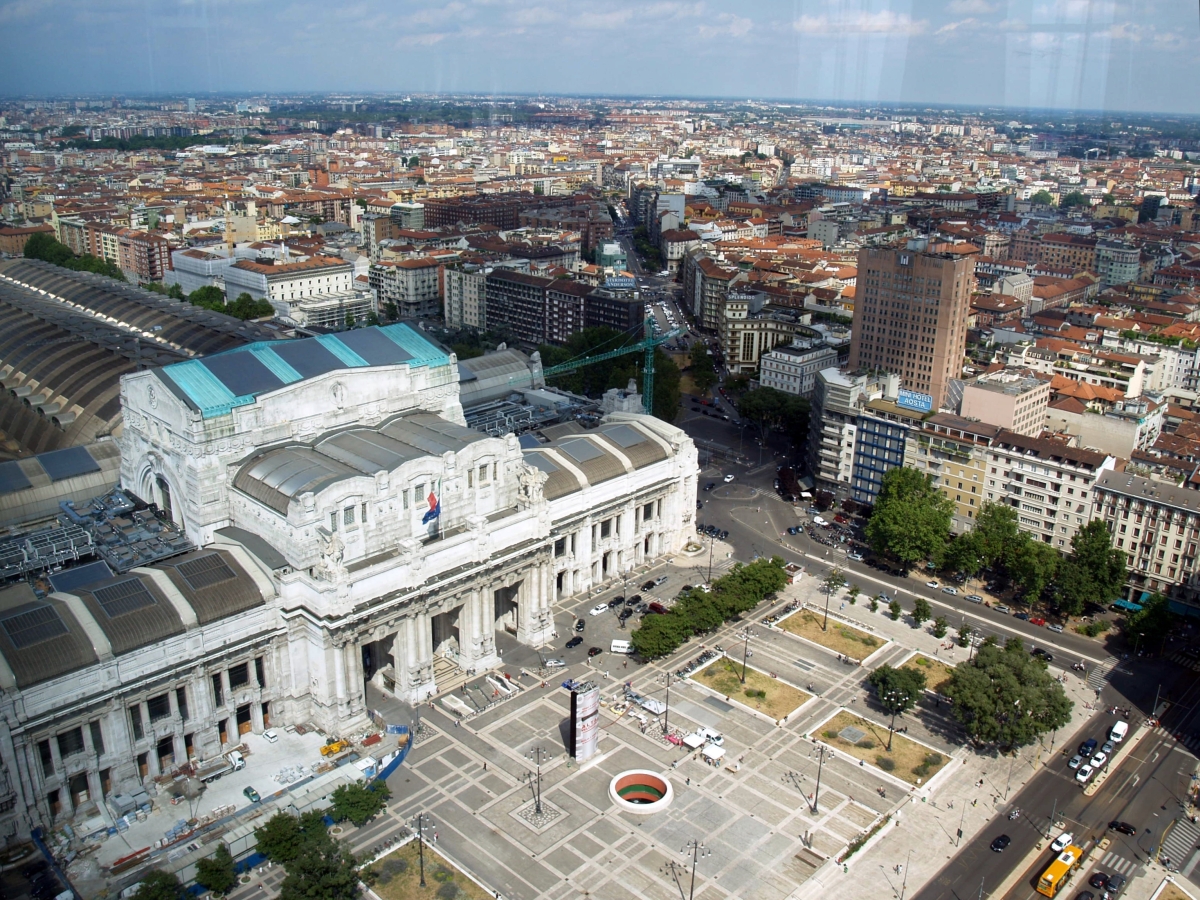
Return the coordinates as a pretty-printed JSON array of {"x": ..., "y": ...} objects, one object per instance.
[{"x": 1056, "y": 874}]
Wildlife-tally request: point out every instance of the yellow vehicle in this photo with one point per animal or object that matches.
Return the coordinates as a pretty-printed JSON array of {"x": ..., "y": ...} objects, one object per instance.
[
  {"x": 334, "y": 747},
  {"x": 1056, "y": 874}
]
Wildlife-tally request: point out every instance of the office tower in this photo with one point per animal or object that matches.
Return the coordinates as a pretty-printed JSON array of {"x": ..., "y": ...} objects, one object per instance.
[{"x": 910, "y": 313}]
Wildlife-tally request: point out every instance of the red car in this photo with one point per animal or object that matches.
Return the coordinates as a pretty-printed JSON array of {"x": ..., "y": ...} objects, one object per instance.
[{"x": 1037, "y": 620}]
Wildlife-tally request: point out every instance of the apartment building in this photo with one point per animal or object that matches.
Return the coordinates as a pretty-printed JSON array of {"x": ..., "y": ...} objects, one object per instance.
[
  {"x": 566, "y": 309},
  {"x": 1012, "y": 400},
  {"x": 792, "y": 368},
  {"x": 838, "y": 398},
  {"x": 750, "y": 327},
  {"x": 1157, "y": 525},
  {"x": 954, "y": 451},
  {"x": 910, "y": 314},
  {"x": 413, "y": 285},
  {"x": 465, "y": 288},
  {"x": 283, "y": 282},
  {"x": 881, "y": 439},
  {"x": 1048, "y": 481},
  {"x": 518, "y": 302}
]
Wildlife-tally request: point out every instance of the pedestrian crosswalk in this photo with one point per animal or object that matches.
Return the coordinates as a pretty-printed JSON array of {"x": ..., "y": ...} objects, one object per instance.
[
  {"x": 1187, "y": 659},
  {"x": 1114, "y": 862},
  {"x": 1180, "y": 843},
  {"x": 1191, "y": 741},
  {"x": 1098, "y": 673}
]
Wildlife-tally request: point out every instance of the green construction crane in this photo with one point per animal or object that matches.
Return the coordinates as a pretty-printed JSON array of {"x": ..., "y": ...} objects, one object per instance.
[{"x": 647, "y": 344}]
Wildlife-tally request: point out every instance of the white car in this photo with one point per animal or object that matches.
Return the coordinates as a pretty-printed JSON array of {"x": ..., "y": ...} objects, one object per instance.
[
  {"x": 932, "y": 584},
  {"x": 1098, "y": 760},
  {"x": 555, "y": 664},
  {"x": 598, "y": 609},
  {"x": 1084, "y": 773},
  {"x": 1063, "y": 841},
  {"x": 728, "y": 478},
  {"x": 270, "y": 736}
]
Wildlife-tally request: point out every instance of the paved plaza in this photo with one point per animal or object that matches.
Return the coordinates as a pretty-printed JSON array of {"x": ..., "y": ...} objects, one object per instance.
[{"x": 753, "y": 813}]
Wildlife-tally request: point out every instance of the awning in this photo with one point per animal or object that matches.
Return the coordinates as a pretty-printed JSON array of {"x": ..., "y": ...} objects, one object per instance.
[
  {"x": 1126, "y": 604},
  {"x": 712, "y": 751},
  {"x": 693, "y": 741}
]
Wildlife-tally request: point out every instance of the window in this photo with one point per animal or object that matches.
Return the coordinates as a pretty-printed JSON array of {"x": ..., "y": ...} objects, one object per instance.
[
  {"x": 605, "y": 528},
  {"x": 483, "y": 474},
  {"x": 135, "y": 717},
  {"x": 363, "y": 517},
  {"x": 47, "y": 758},
  {"x": 560, "y": 547},
  {"x": 259, "y": 674},
  {"x": 159, "y": 707},
  {"x": 239, "y": 676},
  {"x": 404, "y": 498},
  {"x": 470, "y": 478},
  {"x": 218, "y": 691},
  {"x": 70, "y": 742},
  {"x": 333, "y": 521},
  {"x": 348, "y": 515},
  {"x": 97, "y": 737}
]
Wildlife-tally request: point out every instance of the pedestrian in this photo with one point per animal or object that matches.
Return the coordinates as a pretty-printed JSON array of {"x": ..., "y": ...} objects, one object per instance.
[
  {"x": 689, "y": 781},
  {"x": 625, "y": 664},
  {"x": 485, "y": 767}
]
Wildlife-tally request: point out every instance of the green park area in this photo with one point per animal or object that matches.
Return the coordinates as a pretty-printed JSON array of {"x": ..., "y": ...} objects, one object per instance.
[
  {"x": 760, "y": 692},
  {"x": 913, "y": 762},
  {"x": 398, "y": 877},
  {"x": 837, "y": 637}
]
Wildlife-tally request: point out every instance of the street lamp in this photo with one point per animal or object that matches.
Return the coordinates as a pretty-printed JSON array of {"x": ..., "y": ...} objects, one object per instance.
[
  {"x": 667, "y": 712},
  {"x": 891, "y": 701},
  {"x": 712, "y": 543},
  {"x": 538, "y": 754},
  {"x": 904, "y": 885},
  {"x": 698, "y": 851},
  {"x": 821, "y": 751},
  {"x": 420, "y": 820},
  {"x": 749, "y": 633}
]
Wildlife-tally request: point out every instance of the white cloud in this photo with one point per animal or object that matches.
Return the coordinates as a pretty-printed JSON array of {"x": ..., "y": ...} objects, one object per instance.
[
  {"x": 725, "y": 25},
  {"x": 970, "y": 7},
  {"x": 863, "y": 22}
]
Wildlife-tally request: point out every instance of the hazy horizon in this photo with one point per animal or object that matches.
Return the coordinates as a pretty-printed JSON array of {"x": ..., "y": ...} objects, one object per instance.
[{"x": 1060, "y": 55}]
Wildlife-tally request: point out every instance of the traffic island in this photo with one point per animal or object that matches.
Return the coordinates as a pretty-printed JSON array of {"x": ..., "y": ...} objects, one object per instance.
[
  {"x": 761, "y": 692},
  {"x": 862, "y": 739},
  {"x": 398, "y": 877},
  {"x": 838, "y": 637}
]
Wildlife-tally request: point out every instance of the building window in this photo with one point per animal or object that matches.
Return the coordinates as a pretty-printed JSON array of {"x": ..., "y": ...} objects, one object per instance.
[
  {"x": 70, "y": 742},
  {"x": 605, "y": 528},
  {"x": 348, "y": 515},
  {"x": 239, "y": 676},
  {"x": 97, "y": 737},
  {"x": 181, "y": 703},
  {"x": 560, "y": 547},
  {"x": 159, "y": 707},
  {"x": 135, "y": 718},
  {"x": 333, "y": 521},
  {"x": 218, "y": 690},
  {"x": 260, "y": 675},
  {"x": 47, "y": 758}
]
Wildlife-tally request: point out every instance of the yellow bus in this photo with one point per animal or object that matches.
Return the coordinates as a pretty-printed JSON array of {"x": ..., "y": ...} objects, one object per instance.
[{"x": 1056, "y": 874}]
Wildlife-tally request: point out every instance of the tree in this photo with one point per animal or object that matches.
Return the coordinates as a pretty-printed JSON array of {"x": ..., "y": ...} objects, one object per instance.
[
  {"x": 939, "y": 627},
  {"x": 321, "y": 873},
  {"x": 282, "y": 836},
  {"x": 414, "y": 161},
  {"x": 895, "y": 610},
  {"x": 391, "y": 310},
  {"x": 1042, "y": 198},
  {"x": 246, "y": 307},
  {"x": 874, "y": 604},
  {"x": 965, "y": 554},
  {"x": 1148, "y": 626},
  {"x": 1095, "y": 570},
  {"x": 216, "y": 872},
  {"x": 175, "y": 292},
  {"x": 349, "y": 320},
  {"x": 359, "y": 803},
  {"x": 833, "y": 582},
  {"x": 1109, "y": 200},
  {"x": 1033, "y": 568},
  {"x": 159, "y": 885},
  {"x": 898, "y": 689},
  {"x": 911, "y": 519},
  {"x": 1006, "y": 697},
  {"x": 704, "y": 376},
  {"x": 964, "y": 635},
  {"x": 771, "y": 410},
  {"x": 373, "y": 318},
  {"x": 921, "y": 611},
  {"x": 208, "y": 297},
  {"x": 1074, "y": 198},
  {"x": 997, "y": 533},
  {"x": 852, "y": 593}
]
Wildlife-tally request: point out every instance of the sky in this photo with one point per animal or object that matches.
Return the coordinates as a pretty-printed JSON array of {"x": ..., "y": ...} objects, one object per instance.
[{"x": 1139, "y": 55}]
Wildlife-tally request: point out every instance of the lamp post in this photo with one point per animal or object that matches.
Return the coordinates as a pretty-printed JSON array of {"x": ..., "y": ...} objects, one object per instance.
[
  {"x": 749, "y": 633},
  {"x": 667, "y": 712},
  {"x": 698, "y": 851},
  {"x": 890, "y": 702},
  {"x": 904, "y": 884},
  {"x": 821, "y": 751},
  {"x": 537, "y": 754},
  {"x": 420, "y": 820},
  {"x": 712, "y": 543}
]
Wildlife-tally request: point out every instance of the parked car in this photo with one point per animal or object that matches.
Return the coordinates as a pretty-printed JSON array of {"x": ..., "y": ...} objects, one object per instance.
[
  {"x": 710, "y": 485},
  {"x": 1056, "y": 628},
  {"x": 616, "y": 601},
  {"x": 1037, "y": 620},
  {"x": 949, "y": 590},
  {"x": 974, "y": 598},
  {"x": 580, "y": 625},
  {"x": 933, "y": 584},
  {"x": 658, "y": 609},
  {"x": 554, "y": 663},
  {"x": 1098, "y": 880},
  {"x": 792, "y": 529},
  {"x": 270, "y": 736},
  {"x": 594, "y": 651},
  {"x": 1023, "y": 616},
  {"x": 1003, "y": 609},
  {"x": 598, "y": 609},
  {"x": 574, "y": 642}
]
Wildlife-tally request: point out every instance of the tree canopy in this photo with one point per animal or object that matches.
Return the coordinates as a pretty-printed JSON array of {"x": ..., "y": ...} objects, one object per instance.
[
  {"x": 159, "y": 885},
  {"x": 1093, "y": 572},
  {"x": 1149, "y": 625},
  {"x": 1074, "y": 198},
  {"x": 911, "y": 519},
  {"x": 1006, "y": 697},
  {"x": 773, "y": 410},
  {"x": 321, "y": 873},
  {"x": 703, "y": 373},
  {"x": 43, "y": 245},
  {"x": 1033, "y": 567},
  {"x": 898, "y": 689},
  {"x": 283, "y": 836},
  {"x": 359, "y": 803},
  {"x": 217, "y": 872},
  {"x": 1043, "y": 198}
]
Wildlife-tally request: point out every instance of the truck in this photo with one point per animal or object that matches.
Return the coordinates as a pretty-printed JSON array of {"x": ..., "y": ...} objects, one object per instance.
[
  {"x": 333, "y": 748},
  {"x": 212, "y": 769}
]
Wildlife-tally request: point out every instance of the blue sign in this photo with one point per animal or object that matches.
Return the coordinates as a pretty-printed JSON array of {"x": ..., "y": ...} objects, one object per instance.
[{"x": 914, "y": 400}]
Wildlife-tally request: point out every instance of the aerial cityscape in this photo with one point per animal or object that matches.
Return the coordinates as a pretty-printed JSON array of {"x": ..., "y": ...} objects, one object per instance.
[{"x": 433, "y": 467}]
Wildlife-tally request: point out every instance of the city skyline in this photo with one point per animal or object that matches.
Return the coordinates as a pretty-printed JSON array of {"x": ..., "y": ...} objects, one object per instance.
[{"x": 1021, "y": 54}]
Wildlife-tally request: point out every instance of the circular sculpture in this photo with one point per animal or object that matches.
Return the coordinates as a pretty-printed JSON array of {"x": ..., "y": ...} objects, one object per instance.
[{"x": 640, "y": 791}]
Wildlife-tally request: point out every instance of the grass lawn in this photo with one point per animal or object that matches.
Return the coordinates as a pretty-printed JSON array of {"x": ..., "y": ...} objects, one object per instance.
[
  {"x": 1174, "y": 892},
  {"x": 724, "y": 676},
  {"x": 906, "y": 755},
  {"x": 937, "y": 673},
  {"x": 839, "y": 638},
  {"x": 398, "y": 877}
]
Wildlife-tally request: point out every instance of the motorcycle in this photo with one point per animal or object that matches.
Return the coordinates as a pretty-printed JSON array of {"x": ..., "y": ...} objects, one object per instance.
[{"x": 1015, "y": 814}]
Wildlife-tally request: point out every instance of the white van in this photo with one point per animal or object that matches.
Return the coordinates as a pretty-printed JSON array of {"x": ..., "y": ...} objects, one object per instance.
[
  {"x": 1118, "y": 732},
  {"x": 713, "y": 737},
  {"x": 620, "y": 647}
]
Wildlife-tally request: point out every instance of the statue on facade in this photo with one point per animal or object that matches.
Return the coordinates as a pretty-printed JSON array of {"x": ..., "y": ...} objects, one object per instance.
[{"x": 332, "y": 551}]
